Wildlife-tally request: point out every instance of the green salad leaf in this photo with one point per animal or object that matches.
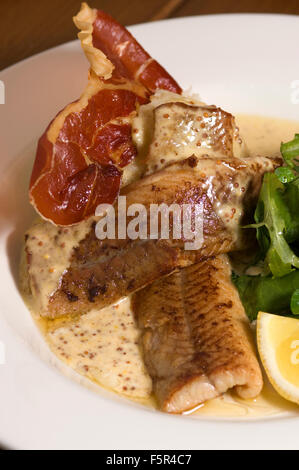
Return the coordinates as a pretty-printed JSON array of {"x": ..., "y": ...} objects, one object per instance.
[
  {"x": 295, "y": 302},
  {"x": 268, "y": 294},
  {"x": 285, "y": 174},
  {"x": 277, "y": 231},
  {"x": 274, "y": 212},
  {"x": 290, "y": 152}
]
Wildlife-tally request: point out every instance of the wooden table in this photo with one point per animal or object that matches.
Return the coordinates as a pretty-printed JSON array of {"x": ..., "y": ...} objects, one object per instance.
[{"x": 31, "y": 26}]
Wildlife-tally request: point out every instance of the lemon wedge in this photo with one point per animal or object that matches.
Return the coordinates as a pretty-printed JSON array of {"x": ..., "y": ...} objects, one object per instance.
[{"x": 278, "y": 345}]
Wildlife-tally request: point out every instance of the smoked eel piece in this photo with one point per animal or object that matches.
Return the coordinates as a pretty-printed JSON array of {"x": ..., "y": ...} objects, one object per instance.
[{"x": 195, "y": 337}]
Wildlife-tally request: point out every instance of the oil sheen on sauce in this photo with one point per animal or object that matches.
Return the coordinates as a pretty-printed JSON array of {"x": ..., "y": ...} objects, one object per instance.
[{"x": 103, "y": 345}]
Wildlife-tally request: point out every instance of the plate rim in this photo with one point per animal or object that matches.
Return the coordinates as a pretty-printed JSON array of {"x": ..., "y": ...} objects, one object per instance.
[{"x": 166, "y": 20}]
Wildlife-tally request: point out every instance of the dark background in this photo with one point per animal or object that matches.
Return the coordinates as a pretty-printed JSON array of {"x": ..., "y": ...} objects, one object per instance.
[{"x": 31, "y": 26}]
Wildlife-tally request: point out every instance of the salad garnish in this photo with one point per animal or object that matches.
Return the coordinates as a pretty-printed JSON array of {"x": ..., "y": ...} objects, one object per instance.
[{"x": 276, "y": 289}]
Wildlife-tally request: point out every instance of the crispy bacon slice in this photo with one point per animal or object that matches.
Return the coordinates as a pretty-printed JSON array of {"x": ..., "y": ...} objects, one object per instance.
[{"x": 81, "y": 155}]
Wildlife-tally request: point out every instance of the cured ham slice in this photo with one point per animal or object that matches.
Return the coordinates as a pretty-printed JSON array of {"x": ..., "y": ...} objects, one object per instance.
[{"x": 81, "y": 156}]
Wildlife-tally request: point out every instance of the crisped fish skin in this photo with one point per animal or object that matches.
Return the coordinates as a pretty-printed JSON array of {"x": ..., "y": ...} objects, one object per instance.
[
  {"x": 101, "y": 272},
  {"x": 196, "y": 339},
  {"x": 106, "y": 281}
]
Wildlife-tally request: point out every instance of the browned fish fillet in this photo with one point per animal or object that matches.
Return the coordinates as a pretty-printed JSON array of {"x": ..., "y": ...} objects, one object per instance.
[
  {"x": 195, "y": 338},
  {"x": 101, "y": 272}
]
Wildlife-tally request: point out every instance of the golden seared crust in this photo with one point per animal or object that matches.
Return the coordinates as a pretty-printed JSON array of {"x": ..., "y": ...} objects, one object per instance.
[
  {"x": 104, "y": 282},
  {"x": 195, "y": 337}
]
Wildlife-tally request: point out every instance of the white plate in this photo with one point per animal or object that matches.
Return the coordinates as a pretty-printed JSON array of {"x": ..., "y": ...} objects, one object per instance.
[{"x": 245, "y": 63}]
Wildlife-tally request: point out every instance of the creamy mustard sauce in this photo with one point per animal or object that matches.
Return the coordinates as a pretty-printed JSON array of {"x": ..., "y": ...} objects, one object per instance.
[
  {"x": 263, "y": 135},
  {"x": 174, "y": 127},
  {"x": 143, "y": 129},
  {"x": 50, "y": 248},
  {"x": 103, "y": 345}
]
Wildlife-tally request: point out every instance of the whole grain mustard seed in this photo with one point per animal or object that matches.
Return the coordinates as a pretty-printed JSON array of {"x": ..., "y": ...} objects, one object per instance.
[{"x": 109, "y": 357}]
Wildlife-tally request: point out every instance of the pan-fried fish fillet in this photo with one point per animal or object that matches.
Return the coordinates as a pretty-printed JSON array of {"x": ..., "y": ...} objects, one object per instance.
[
  {"x": 195, "y": 337},
  {"x": 101, "y": 272}
]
